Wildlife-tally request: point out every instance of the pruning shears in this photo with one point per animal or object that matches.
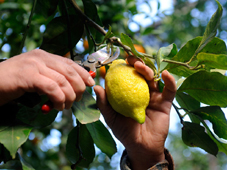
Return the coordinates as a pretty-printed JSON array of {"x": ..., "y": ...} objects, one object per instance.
[{"x": 95, "y": 60}]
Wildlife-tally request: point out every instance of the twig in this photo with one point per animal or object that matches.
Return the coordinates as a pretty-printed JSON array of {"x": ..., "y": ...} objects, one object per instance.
[
  {"x": 178, "y": 113},
  {"x": 87, "y": 19},
  {"x": 178, "y": 62},
  {"x": 98, "y": 27},
  {"x": 28, "y": 26},
  {"x": 70, "y": 46},
  {"x": 90, "y": 36}
]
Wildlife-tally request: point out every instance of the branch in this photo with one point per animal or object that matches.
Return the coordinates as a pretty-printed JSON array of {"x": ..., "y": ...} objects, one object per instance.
[
  {"x": 87, "y": 19},
  {"x": 101, "y": 30},
  {"x": 28, "y": 26},
  {"x": 178, "y": 113},
  {"x": 70, "y": 46},
  {"x": 178, "y": 62}
]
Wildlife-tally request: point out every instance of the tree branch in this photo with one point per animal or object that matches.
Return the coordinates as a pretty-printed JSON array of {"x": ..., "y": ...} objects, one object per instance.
[
  {"x": 28, "y": 26},
  {"x": 70, "y": 46},
  {"x": 178, "y": 113}
]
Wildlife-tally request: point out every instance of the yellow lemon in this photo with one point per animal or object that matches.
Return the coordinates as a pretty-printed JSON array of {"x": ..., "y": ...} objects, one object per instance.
[{"x": 127, "y": 91}]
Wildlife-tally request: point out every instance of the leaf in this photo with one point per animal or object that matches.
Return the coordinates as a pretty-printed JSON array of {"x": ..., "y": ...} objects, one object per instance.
[
  {"x": 55, "y": 39},
  {"x": 218, "y": 61},
  {"x": 109, "y": 34},
  {"x": 194, "y": 135},
  {"x": 102, "y": 138},
  {"x": 211, "y": 28},
  {"x": 90, "y": 10},
  {"x": 165, "y": 52},
  {"x": 86, "y": 110},
  {"x": 187, "y": 102},
  {"x": 222, "y": 147},
  {"x": 12, "y": 137},
  {"x": 206, "y": 87},
  {"x": 34, "y": 116},
  {"x": 86, "y": 145},
  {"x": 216, "y": 46},
  {"x": 126, "y": 40},
  {"x": 216, "y": 116},
  {"x": 46, "y": 8}
]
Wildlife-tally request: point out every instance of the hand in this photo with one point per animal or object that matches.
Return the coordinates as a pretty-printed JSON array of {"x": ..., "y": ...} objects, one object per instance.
[
  {"x": 144, "y": 142},
  {"x": 61, "y": 79}
]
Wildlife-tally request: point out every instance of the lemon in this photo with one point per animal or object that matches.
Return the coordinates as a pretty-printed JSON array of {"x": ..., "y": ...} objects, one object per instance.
[{"x": 127, "y": 91}]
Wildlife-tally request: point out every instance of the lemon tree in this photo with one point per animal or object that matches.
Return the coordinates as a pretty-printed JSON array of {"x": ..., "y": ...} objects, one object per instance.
[{"x": 199, "y": 66}]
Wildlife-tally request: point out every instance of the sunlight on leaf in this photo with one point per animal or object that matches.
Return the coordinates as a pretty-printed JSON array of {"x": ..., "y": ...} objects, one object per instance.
[
  {"x": 194, "y": 135},
  {"x": 206, "y": 87}
]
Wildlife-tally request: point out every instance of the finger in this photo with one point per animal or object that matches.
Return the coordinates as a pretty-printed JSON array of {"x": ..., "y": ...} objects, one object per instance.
[
  {"x": 170, "y": 88},
  {"x": 64, "y": 85},
  {"x": 131, "y": 60},
  {"x": 144, "y": 70},
  {"x": 45, "y": 85},
  {"x": 108, "y": 113},
  {"x": 68, "y": 68}
]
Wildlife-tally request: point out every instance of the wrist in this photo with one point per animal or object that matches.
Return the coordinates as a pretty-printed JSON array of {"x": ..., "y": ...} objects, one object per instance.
[
  {"x": 144, "y": 160},
  {"x": 168, "y": 163}
]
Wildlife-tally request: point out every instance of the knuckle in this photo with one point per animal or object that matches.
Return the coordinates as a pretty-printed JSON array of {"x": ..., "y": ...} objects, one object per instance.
[
  {"x": 70, "y": 71},
  {"x": 52, "y": 86},
  {"x": 61, "y": 80}
]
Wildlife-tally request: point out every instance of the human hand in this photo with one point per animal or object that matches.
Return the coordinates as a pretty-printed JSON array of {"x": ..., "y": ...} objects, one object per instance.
[
  {"x": 144, "y": 142},
  {"x": 61, "y": 79}
]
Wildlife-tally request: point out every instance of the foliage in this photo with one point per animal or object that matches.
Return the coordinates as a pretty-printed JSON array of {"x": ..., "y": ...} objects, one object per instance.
[{"x": 197, "y": 64}]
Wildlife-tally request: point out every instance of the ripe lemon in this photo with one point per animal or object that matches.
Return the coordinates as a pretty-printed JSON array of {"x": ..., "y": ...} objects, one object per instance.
[{"x": 127, "y": 91}]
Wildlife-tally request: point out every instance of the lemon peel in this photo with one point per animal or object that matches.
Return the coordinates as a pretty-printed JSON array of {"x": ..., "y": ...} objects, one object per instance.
[{"x": 127, "y": 90}]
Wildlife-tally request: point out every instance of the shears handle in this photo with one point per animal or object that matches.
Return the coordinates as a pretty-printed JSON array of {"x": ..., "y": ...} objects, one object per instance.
[{"x": 48, "y": 106}]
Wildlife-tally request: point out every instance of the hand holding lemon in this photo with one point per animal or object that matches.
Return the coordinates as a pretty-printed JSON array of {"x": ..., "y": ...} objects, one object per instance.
[{"x": 144, "y": 142}]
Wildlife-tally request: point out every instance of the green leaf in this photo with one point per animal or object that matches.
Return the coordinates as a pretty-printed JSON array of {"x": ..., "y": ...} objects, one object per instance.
[
  {"x": 55, "y": 39},
  {"x": 218, "y": 61},
  {"x": 12, "y": 137},
  {"x": 126, "y": 40},
  {"x": 90, "y": 10},
  {"x": 109, "y": 34},
  {"x": 222, "y": 147},
  {"x": 206, "y": 87},
  {"x": 86, "y": 110},
  {"x": 211, "y": 29},
  {"x": 216, "y": 46},
  {"x": 102, "y": 138},
  {"x": 86, "y": 145},
  {"x": 46, "y": 8},
  {"x": 216, "y": 116},
  {"x": 34, "y": 116},
  {"x": 165, "y": 53},
  {"x": 187, "y": 102},
  {"x": 194, "y": 135}
]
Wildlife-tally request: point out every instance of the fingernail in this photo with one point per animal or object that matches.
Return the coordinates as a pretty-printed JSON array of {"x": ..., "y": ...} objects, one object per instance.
[{"x": 91, "y": 81}]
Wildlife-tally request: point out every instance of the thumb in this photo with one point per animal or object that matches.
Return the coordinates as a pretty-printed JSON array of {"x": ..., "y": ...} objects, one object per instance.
[
  {"x": 101, "y": 97},
  {"x": 170, "y": 88},
  {"x": 108, "y": 113}
]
